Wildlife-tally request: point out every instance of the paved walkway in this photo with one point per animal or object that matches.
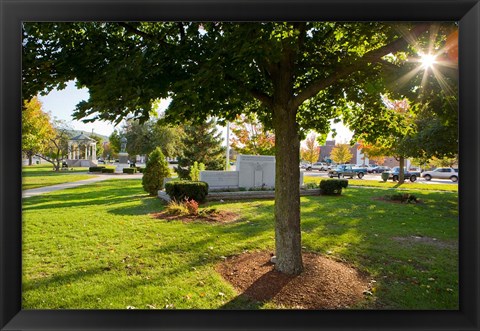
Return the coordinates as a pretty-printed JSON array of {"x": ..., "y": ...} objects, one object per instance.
[{"x": 98, "y": 178}]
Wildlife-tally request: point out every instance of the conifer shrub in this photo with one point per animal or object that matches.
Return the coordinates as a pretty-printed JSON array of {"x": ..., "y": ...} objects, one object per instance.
[
  {"x": 108, "y": 171},
  {"x": 129, "y": 170},
  {"x": 183, "y": 189},
  {"x": 155, "y": 171},
  {"x": 332, "y": 186},
  {"x": 195, "y": 170}
]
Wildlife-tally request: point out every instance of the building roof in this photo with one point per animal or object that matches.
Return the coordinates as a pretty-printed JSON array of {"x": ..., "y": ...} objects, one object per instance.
[{"x": 82, "y": 137}]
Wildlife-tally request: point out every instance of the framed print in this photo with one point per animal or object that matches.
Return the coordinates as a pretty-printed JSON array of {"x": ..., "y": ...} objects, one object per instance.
[{"x": 378, "y": 100}]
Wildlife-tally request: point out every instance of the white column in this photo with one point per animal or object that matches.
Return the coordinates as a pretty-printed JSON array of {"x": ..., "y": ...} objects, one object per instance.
[
  {"x": 86, "y": 151},
  {"x": 94, "y": 147}
]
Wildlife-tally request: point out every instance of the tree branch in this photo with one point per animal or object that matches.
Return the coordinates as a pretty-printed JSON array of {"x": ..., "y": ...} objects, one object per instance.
[
  {"x": 259, "y": 95},
  {"x": 370, "y": 57},
  {"x": 142, "y": 34}
]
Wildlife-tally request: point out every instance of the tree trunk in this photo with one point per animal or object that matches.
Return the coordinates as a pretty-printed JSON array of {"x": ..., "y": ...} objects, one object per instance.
[
  {"x": 30, "y": 159},
  {"x": 401, "y": 173},
  {"x": 287, "y": 192}
]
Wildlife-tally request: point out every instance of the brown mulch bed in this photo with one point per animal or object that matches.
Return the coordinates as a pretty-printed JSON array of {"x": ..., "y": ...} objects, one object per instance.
[
  {"x": 324, "y": 283},
  {"x": 216, "y": 217}
]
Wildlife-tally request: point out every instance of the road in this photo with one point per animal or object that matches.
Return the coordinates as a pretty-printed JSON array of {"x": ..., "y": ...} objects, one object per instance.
[{"x": 377, "y": 177}]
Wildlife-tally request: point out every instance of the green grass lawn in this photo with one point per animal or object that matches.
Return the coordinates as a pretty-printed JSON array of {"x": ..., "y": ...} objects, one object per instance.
[
  {"x": 391, "y": 184},
  {"x": 42, "y": 175},
  {"x": 97, "y": 247}
]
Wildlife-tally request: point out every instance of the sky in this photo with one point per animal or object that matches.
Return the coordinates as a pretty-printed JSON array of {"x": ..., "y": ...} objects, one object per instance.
[{"x": 61, "y": 104}]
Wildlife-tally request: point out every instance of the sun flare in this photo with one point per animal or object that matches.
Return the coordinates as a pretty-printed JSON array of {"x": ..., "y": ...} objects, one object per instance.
[{"x": 427, "y": 60}]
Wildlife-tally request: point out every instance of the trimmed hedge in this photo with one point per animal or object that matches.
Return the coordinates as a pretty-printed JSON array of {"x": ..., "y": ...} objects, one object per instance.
[
  {"x": 332, "y": 186},
  {"x": 181, "y": 189},
  {"x": 96, "y": 169},
  {"x": 140, "y": 169},
  {"x": 108, "y": 170},
  {"x": 129, "y": 170}
]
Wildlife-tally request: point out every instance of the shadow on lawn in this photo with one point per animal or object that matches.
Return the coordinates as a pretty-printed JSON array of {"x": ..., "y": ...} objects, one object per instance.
[
  {"x": 100, "y": 197},
  {"x": 262, "y": 286}
]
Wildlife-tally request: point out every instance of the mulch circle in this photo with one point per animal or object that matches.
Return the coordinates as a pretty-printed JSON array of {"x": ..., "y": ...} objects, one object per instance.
[
  {"x": 216, "y": 217},
  {"x": 324, "y": 283}
]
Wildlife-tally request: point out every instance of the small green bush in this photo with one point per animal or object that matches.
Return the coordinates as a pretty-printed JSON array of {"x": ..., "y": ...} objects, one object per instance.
[
  {"x": 195, "y": 171},
  {"x": 108, "y": 171},
  {"x": 129, "y": 170},
  {"x": 333, "y": 186},
  {"x": 155, "y": 171},
  {"x": 96, "y": 169},
  {"x": 182, "y": 189},
  {"x": 140, "y": 170}
]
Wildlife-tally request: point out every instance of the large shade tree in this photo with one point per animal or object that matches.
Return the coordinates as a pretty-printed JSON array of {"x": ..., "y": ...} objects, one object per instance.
[
  {"x": 143, "y": 138},
  {"x": 295, "y": 76}
]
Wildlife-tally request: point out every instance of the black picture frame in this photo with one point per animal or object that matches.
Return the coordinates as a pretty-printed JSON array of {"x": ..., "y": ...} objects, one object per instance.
[{"x": 14, "y": 12}]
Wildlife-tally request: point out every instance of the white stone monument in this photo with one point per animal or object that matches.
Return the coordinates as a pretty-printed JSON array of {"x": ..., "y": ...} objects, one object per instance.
[
  {"x": 256, "y": 171},
  {"x": 252, "y": 171},
  {"x": 122, "y": 157},
  {"x": 220, "y": 179}
]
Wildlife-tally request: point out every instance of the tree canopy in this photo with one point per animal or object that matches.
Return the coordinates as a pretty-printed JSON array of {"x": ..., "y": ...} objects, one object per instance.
[
  {"x": 293, "y": 76},
  {"x": 37, "y": 129},
  {"x": 251, "y": 137}
]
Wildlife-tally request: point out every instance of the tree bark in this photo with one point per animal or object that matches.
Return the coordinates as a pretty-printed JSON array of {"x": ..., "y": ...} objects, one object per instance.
[{"x": 287, "y": 192}]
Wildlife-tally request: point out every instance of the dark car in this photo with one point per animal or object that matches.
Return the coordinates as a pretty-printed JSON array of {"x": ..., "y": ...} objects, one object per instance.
[
  {"x": 380, "y": 169},
  {"x": 394, "y": 174}
]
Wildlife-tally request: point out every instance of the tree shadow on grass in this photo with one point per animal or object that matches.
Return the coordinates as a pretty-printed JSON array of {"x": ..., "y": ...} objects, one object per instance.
[
  {"x": 263, "y": 290},
  {"x": 70, "y": 198}
]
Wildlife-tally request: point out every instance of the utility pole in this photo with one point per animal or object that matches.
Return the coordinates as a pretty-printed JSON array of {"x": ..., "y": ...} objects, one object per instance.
[{"x": 227, "y": 166}]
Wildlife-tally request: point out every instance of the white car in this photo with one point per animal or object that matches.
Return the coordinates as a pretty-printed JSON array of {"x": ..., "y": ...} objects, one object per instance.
[
  {"x": 320, "y": 166},
  {"x": 442, "y": 173}
]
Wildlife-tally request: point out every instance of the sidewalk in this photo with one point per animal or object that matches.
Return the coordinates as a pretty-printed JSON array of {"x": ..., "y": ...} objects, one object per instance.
[{"x": 98, "y": 178}]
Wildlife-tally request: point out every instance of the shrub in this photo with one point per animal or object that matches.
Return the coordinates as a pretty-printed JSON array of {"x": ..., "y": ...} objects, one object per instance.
[
  {"x": 96, "y": 169},
  {"x": 403, "y": 197},
  {"x": 309, "y": 186},
  {"x": 140, "y": 170},
  {"x": 176, "y": 208},
  {"x": 108, "y": 170},
  {"x": 182, "y": 208},
  {"x": 332, "y": 186},
  {"x": 129, "y": 170},
  {"x": 181, "y": 189},
  {"x": 195, "y": 170},
  {"x": 155, "y": 171},
  {"x": 192, "y": 206}
]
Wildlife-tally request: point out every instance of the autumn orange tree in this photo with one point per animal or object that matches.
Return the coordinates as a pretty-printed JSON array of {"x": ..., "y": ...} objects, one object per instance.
[
  {"x": 311, "y": 151},
  {"x": 251, "y": 137},
  {"x": 341, "y": 153},
  {"x": 37, "y": 131}
]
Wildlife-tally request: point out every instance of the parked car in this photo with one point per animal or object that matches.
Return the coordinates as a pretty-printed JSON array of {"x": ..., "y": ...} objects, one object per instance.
[
  {"x": 305, "y": 165},
  {"x": 370, "y": 168},
  {"x": 320, "y": 166},
  {"x": 347, "y": 170},
  {"x": 442, "y": 173},
  {"x": 380, "y": 169},
  {"x": 394, "y": 174}
]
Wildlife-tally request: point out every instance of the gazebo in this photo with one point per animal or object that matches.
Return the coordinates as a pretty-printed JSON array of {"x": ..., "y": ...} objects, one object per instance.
[{"x": 82, "y": 151}]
